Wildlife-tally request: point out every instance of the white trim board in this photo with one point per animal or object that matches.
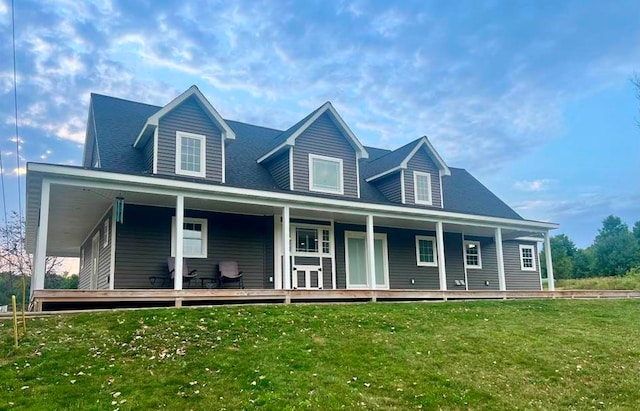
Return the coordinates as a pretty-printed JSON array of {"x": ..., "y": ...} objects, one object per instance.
[
  {"x": 361, "y": 152},
  {"x": 121, "y": 182},
  {"x": 211, "y": 112}
]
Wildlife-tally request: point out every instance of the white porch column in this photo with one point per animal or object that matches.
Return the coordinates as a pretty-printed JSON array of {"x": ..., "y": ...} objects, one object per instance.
[
  {"x": 547, "y": 254},
  {"x": 40, "y": 254},
  {"x": 371, "y": 256},
  {"x": 498, "y": 239},
  {"x": 442, "y": 271},
  {"x": 286, "y": 248},
  {"x": 177, "y": 274}
]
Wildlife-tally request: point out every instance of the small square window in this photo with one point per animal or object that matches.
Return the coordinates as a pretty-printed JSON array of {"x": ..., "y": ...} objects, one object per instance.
[
  {"x": 422, "y": 187},
  {"x": 426, "y": 251},
  {"x": 194, "y": 238},
  {"x": 325, "y": 174},
  {"x": 190, "y": 154},
  {"x": 527, "y": 258},
  {"x": 472, "y": 254}
]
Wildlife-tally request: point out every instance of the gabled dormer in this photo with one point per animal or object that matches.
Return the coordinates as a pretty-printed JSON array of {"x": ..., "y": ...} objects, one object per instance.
[
  {"x": 187, "y": 137},
  {"x": 317, "y": 154},
  {"x": 411, "y": 174}
]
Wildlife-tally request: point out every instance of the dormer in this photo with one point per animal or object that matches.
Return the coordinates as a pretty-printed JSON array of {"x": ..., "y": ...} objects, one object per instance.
[
  {"x": 187, "y": 137},
  {"x": 317, "y": 154},
  {"x": 411, "y": 174}
]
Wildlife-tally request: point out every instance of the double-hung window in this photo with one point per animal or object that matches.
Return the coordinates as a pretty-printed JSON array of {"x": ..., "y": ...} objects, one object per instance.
[
  {"x": 325, "y": 174},
  {"x": 527, "y": 258},
  {"x": 191, "y": 154},
  {"x": 426, "y": 252},
  {"x": 194, "y": 234},
  {"x": 422, "y": 187},
  {"x": 472, "y": 254}
]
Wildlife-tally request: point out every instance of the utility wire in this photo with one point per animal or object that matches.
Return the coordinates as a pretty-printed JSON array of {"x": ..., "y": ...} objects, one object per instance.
[{"x": 15, "y": 107}]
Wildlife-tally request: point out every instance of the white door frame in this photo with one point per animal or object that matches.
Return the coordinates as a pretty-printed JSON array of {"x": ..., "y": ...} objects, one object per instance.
[
  {"x": 95, "y": 261},
  {"x": 385, "y": 259}
]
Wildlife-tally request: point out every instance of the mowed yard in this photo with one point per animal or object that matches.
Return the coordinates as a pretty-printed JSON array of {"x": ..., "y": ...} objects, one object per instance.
[{"x": 558, "y": 354}]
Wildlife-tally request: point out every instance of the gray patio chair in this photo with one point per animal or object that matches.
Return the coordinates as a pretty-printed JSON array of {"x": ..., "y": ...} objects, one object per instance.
[
  {"x": 229, "y": 273},
  {"x": 187, "y": 275}
]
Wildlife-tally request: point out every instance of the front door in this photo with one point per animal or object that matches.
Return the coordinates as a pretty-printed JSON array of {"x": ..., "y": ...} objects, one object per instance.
[
  {"x": 95, "y": 258},
  {"x": 356, "y": 260}
]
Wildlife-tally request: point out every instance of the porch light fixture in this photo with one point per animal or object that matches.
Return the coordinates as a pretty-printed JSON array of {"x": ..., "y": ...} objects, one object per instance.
[{"x": 118, "y": 210}]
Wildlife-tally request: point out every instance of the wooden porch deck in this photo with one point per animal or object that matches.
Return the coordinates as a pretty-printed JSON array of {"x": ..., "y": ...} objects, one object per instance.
[{"x": 51, "y": 300}]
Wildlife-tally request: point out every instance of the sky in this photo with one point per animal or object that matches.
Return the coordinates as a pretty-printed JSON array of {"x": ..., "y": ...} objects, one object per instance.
[{"x": 532, "y": 97}]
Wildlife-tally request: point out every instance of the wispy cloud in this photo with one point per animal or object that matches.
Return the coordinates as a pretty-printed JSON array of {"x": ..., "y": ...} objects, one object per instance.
[{"x": 533, "y": 185}]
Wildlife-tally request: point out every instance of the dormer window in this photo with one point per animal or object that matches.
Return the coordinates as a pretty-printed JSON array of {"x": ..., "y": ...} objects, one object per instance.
[
  {"x": 422, "y": 187},
  {"x": 190, "y": 154},
  {"x": 325, "y": 174}
]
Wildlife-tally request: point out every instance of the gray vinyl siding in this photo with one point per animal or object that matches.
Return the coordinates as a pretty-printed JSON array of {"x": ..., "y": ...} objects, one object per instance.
[
  {"x": 391, "y": 187},
  {"x": 147, "y": 154},
  {"x": 454, "y": 264},
  {"x": 189, "y": 117},
  {"x": 403, "y": 267},
  {"x": 423, "y": 163},
  {"x": 144, "y": 244},
  {"x": 279, "y": 169},
  {"x": 477, "y": 277},
  {"x": 324, "y": 138},
  {"x": 327, "y": 270},
  {"x": 515, "y": 278},
  {"x": 104, "y": 258}
]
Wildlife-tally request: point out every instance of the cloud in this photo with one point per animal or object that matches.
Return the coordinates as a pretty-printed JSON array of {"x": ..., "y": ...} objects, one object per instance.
[
  {"x": 20, "y": 171},
  {"x": 533, "y": 185}
]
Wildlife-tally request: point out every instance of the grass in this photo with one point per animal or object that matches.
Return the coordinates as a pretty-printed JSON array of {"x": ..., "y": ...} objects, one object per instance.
[
  {"x": 627, "y": 282},
  {"x": 500, "y": 355}
]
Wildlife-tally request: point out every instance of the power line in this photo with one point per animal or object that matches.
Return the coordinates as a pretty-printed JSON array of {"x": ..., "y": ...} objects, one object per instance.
[{"x": 17, "y": 137}]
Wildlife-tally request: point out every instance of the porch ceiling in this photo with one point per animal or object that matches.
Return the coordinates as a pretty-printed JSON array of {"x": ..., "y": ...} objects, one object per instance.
[{"x": 74, "y": 212}]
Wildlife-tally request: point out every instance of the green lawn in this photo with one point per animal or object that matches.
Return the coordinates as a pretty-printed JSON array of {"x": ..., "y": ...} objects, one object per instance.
[{"x": 509, "y": 355}]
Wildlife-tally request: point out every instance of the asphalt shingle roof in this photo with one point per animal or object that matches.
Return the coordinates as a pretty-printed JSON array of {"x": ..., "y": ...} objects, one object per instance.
[{"x": 118, "y": 122}]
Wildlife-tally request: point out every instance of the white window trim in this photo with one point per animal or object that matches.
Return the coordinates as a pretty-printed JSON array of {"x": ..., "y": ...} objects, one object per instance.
[
  {"x": 464, "y": 247},
  {"x": 105, "y": 234},
  {"x": 533, "y": 258},
  {"x": 82, "y": 258},
  {"x": 417, "y": 174},
  {"x": 203, "y": 154},
  {"x": 340, "y": 179},
  {"x": 435, "y": 251},
  {"x": 205, "y": 231}
]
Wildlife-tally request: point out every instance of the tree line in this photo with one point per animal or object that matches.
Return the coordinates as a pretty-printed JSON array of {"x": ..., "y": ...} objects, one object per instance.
[{"x": 615, "y": 251}]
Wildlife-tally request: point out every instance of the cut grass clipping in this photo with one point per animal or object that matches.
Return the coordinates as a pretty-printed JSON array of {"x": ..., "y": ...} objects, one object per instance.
[{"x": 459, "y": 355}]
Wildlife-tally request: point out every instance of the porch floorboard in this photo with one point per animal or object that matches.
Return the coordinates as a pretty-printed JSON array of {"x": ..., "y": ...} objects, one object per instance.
[{"x": 51, "y": 300}]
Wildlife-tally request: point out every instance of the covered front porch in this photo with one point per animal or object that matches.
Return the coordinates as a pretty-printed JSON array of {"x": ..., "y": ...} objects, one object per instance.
[{"x": 280, "y": 243}]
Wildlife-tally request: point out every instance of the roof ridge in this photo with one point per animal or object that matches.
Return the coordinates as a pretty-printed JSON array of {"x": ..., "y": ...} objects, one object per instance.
[
  {"x": 125, "y": 99},
  {"x": 396, "y": 150},
  {"x": 253, "y": 125}
]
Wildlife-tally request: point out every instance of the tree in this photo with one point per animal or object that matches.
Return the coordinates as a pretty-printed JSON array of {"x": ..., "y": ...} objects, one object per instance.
[
  {"x": 584, "y": 263},
  {"x": 615, "y": 248},
  {"x": 562, "y": 254},
  {"x": 636, "y": 231},
  {"x": 15, "y": 262}
]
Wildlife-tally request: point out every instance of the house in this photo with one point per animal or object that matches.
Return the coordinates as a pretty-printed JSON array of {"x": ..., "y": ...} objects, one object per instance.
[{"x": 309, "y": 207}]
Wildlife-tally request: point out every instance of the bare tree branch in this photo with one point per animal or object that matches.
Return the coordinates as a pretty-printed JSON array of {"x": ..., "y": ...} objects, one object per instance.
[{"x": 13, "y": 256}]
